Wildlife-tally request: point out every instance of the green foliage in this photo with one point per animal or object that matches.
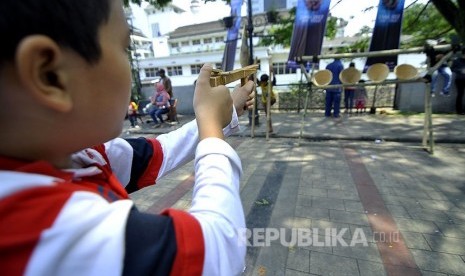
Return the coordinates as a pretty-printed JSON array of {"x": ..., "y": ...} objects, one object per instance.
[{"x": 424, "y": 22}]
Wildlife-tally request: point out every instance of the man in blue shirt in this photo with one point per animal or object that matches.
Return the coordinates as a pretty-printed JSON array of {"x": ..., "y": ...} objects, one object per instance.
[{"x": 333, "y": 95}]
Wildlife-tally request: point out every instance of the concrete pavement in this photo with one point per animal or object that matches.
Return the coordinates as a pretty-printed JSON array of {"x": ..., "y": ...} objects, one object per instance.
[{"x": 356, "y": 196}]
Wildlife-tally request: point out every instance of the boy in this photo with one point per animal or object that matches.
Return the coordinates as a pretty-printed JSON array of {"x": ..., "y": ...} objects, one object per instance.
[{"x": 64, "y": 205}]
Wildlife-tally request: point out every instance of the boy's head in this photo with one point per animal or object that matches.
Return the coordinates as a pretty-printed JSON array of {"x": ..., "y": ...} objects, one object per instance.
[
  {"x": 65, "y": 66},
  {"x": 72, "y": 24},
  {"x": 264, "y": 78}
]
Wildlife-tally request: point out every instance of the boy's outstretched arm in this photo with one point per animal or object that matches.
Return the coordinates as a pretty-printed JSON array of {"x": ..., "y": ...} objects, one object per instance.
[{"x": 216, "y": 203}]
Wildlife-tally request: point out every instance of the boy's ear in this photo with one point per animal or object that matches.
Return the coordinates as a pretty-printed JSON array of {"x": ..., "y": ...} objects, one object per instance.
[{"x": 41, "y": 69}]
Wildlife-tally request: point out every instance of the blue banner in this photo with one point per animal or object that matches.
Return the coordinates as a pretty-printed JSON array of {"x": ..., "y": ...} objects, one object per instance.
[
  {"x": 309, "y": 29},
  {"x": 229, "y": 54},
  {"x": 386, "y": 33}
]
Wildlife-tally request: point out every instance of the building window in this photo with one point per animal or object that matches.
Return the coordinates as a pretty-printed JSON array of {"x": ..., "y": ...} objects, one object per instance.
[
  {"x": 207, "y": 40},
  {"x": 185, "y": 43},
  {"x": 151, "y": 72},
  {"x": 195, "y": 69},
  {"x": 219, "y": 39},
  {"x": 196, "y": 42},
  {"x": 175, "y": 45},
  {"x": 280, "y": 68},
  {"x": 174, "y": 70},
  {"x": 156, "y": 30}
]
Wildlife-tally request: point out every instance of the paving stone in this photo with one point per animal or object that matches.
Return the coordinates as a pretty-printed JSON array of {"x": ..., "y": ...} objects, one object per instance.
[
  {"x": 398, "y": 211},
  {"x": 437, "y": 204},
  {"x": 415, "y": 240},
  {"x": 457, "y": 217},
  {"x": 271, "y": 259},
  {"x": 313, "y": 192},
  {"x": 371, "y": 268},
  {"x": 431, "y": 273},
  {"x": 328, "y": 203},
  {"x": 353, "y": 206},
  {"x": 359, "y": 251},
  {"x": 428, "y": 214},
  {"x": 452, "y": 230},
  {"x": 348, "y": 217},
  {"x": 446, "y": 244},
  {"x": 339, "y": 265},
  {"x": 419, "y": 226},
  {"x": 343, "y": 194},
  {"x": 303, "y": 200},
  {"x": 438, "y": 262},
  {"x": 309, "y": 212},
  {"x": 299, "y": 259},
  {"x": 290, "y": 272}
]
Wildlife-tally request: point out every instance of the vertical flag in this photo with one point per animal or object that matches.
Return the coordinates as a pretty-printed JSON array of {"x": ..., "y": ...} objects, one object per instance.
[
  {"x": 309, "y": 29},
  {"x": 229, "y": 54},
  {"x": 386, "y": 33}
]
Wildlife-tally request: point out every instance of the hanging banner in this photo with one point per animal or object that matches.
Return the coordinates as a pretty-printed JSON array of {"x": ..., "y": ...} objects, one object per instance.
[
  {"x": 309, "y": 30},
  {"x": 229, "y": 54},
  {"x": 386, "y": 33}
]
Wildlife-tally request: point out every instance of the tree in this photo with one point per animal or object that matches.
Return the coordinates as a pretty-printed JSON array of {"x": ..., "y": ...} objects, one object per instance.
[
  {"x": 422, "y": 22},
  {"x": 454, "y": 12}
]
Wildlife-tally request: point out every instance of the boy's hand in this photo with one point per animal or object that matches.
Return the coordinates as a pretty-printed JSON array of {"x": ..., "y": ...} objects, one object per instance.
[
  {"x": 243, "y": 97},
  {"x": 212, "y": 106}
]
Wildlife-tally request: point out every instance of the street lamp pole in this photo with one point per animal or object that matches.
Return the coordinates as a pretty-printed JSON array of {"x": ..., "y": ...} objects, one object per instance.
[{"x": 251, "y": 61}]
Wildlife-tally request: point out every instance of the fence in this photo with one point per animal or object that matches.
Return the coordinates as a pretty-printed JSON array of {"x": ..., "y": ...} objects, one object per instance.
[{"x": 292, "y": 97}]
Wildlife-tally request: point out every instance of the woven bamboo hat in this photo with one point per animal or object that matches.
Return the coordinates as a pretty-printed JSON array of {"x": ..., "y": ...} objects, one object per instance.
[
  {"x": 378, "y": 72},
  {"x": 350, "y": 75},
  {"x": 322, "y": 77},
  {"x": 405, "y": 72}
]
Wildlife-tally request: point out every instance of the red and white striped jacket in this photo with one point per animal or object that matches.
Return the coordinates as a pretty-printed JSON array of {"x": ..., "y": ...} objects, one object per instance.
[{"x": 80, "y": 221}]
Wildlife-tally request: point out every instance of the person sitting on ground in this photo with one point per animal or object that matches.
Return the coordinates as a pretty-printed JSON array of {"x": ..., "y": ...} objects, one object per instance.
[
  {"x": 65, "y": 176},
  {"x": 360, "y": 96},
  {"x": 161, "y": 103}
]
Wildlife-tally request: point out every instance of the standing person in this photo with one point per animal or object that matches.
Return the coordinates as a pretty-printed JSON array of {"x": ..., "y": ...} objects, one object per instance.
[
  {"x": 166, "y": 82},
  {"x": 65, "y": 175},
  {"x": 333, "y": 95},
  {"x": 161, "y": 104},
  {"x": 458, "y": 67},
  {"x": 349, "y": 95},
  {"x": 360, "y": 95},
  {"x": 132, "y": 113},
  {"x": 264, "y": 87},
  {"x": 443, "y": 71}
]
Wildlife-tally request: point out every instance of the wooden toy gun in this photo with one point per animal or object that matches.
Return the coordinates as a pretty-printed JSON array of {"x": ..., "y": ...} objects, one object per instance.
[{"x": 219, "y": 77}]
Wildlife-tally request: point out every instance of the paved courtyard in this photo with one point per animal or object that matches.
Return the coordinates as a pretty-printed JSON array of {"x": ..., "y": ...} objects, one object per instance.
[{"x": 352, "y": 197}]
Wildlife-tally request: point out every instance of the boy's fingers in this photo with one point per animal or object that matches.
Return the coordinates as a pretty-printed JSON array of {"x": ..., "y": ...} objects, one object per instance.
[
  {"x": 204, "y": 75},
  {"x": 249, "y": 86}
]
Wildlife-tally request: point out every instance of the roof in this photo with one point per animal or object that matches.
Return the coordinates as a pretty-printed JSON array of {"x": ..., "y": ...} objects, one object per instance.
[{"x": 214, "y": 26}]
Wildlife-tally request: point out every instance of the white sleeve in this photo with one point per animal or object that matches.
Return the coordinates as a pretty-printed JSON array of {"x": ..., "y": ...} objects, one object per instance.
[
  {"x": 217, "y": 206},
  {"x": 179, "y": 145}
]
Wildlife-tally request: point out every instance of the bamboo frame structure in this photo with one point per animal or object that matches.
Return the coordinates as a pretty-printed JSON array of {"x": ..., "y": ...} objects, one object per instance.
[{"x": 428, "y": 137}]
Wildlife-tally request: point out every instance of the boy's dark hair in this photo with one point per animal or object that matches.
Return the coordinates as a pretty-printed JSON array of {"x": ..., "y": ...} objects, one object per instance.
[{"x": 71, "y": 24}]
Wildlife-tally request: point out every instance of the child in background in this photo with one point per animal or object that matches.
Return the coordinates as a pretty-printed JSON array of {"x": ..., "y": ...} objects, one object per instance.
[
  {"x": 132, "y": 113},
  {"x": 65, "y": 176},
  {"x": 360, "y": 98}
]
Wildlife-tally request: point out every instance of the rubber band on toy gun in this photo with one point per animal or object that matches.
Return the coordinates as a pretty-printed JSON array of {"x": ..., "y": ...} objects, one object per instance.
[{"x": 219, "y": 77}]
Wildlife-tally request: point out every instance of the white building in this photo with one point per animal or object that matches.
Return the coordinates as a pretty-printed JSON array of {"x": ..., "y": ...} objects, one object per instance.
[{"x": 182, "y": 50}]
